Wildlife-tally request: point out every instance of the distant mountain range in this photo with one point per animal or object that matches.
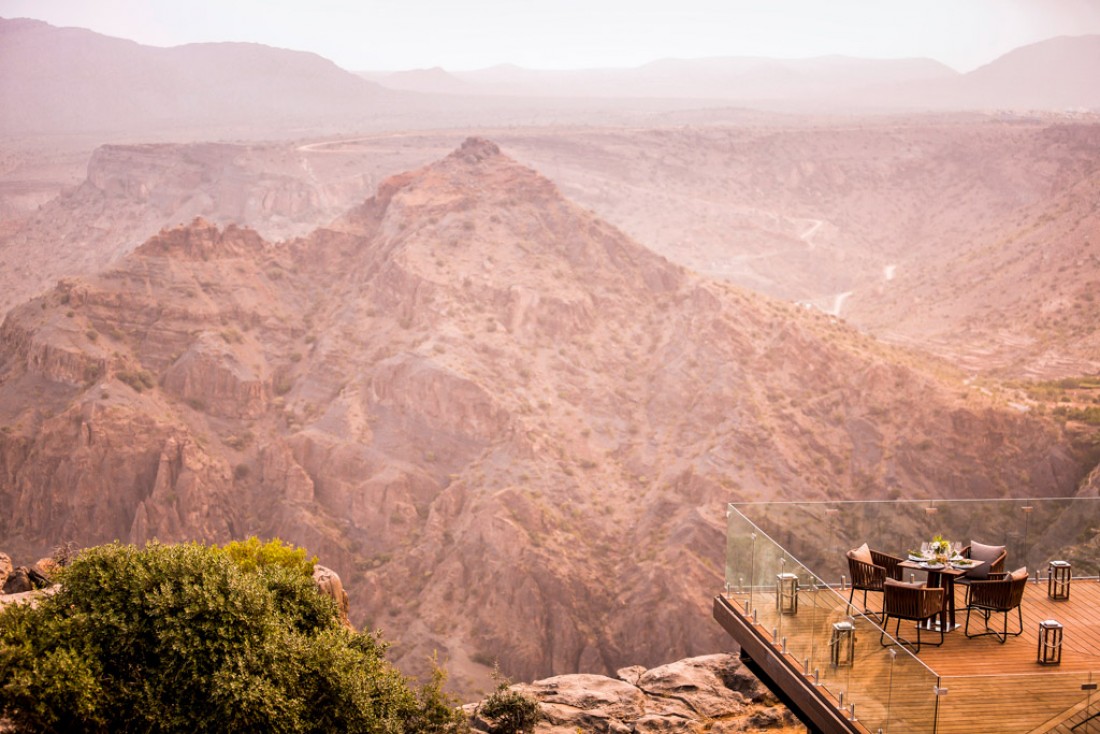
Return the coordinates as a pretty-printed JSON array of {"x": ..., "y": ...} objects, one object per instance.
[
  {"x": 71, "y": 80},
  {"x": 732, "y": 78},
  {"x": 74, "y": 80},
  {"x": 1054, "y": 74}
]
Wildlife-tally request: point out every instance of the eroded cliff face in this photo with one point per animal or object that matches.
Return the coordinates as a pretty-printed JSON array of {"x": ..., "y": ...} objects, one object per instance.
[
  {"x": 131, "y": 190},
  {"x": 509, "y": 428}
]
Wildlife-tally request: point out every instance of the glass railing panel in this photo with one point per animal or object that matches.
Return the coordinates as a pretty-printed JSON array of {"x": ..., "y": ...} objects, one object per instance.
[
  {"x": 1033, "y": 531},
  {"x": 891, "y": 688},
  {"x": 857, "y": 664},
  {"x": 740, "y": 558},
  {"x": 769, "y": 562},
  {"x": 799, "y": 614}
]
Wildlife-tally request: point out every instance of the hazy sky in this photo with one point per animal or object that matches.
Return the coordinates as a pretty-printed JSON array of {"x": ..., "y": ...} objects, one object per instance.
[{"x": 469, "y": 34}]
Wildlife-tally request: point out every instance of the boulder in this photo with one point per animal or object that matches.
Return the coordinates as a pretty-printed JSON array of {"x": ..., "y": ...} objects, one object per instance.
[
  {"x": 701, "y": 684},
  {"x": 630, "y": 674},
  {"x": 42, "y": 571},
  {"x": 5, "y": 568},
  {"x": 711, "y": 693},
  {"x": 329, "y": 584},
  {"x": 18, "y": 581},
  {"x": 583, "y": 699}
]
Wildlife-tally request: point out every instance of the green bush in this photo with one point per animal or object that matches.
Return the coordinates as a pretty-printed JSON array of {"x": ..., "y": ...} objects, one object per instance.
[
  {"x": 191, "y": 638},
  {"x": 253, "y": 554},
  {"x": 508, "y": 711},
  {"x": 138, "y": 380}
]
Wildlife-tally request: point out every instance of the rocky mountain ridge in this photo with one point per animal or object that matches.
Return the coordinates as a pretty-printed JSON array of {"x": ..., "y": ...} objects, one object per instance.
[
  {"x": 130, "y": 192},
  {"x": 509, "y": 428},
  {"x": 965, "y": 236}
]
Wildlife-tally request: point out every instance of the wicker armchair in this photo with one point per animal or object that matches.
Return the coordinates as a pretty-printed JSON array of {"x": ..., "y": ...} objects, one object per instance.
[
  {"x": 991, "y": 562},
  {"x": 914, "y": 602},
  {"x": 1001, "y": 594},
  {"x": 871, "y": 576}
]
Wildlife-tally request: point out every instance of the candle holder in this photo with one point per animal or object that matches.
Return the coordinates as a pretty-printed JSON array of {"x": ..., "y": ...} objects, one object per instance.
[
  {"x": 786, "y": 593},
  {"x": 842, "y": 644},
  {"x": 1060, "y": 573},
  {"x": 1050, "y": 642}
]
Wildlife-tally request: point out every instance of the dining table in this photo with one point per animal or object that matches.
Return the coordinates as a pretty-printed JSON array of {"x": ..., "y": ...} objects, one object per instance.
[{"x": 940, "y": 576}]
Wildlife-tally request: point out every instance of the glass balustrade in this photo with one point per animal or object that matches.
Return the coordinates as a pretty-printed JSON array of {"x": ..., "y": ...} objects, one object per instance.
[{"x": 775, "y": 548}]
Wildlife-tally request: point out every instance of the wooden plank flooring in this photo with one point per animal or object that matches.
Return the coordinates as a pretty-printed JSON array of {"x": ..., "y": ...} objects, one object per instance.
[
  {"x": 990, "y": 688},
  {"x": 1080, "y": 615}
]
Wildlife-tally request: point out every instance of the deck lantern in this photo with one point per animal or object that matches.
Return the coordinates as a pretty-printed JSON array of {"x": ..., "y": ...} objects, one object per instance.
[
  {"x": 786, "y": 593},
  {"x": 1060, "y": 574},
  {"x": 1050, "y": 642},
  {"x": 842, "y": 644}
]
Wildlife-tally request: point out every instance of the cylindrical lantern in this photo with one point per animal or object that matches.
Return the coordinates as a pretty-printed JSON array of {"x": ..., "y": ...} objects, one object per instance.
[
  {"x": 786, "y": 593},
  {"x": 1061, "y": 572},
  {"x": 842, "y": 645},
  {"x": 1050, "y": 642}
]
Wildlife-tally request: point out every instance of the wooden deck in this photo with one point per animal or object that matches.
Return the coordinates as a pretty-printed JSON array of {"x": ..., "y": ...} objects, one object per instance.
[
  {"x": 990, "y": 687},
  {"x": 982, "y": 656},
  {"x": 1005, "y": 685}
]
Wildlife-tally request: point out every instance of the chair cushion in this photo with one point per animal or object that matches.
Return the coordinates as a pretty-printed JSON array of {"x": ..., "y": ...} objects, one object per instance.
[
  {"x": 1019, "y": 573},
  {"x": 907, "y": 584},
  {"x": 985, "y": 555},
  {"x": 862, "y": 554}
]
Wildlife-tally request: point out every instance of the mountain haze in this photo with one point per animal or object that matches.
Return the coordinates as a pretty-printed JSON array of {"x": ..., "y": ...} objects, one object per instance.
[
  {"x": 1054, "y": 74},
  {"x": 728, "y": 78},
  {"x": 1059, "y": 73},
  {"x": 74, "y": 82},
  {"x": 508, "y": 426},
  {"x": 56, "y": 80}
]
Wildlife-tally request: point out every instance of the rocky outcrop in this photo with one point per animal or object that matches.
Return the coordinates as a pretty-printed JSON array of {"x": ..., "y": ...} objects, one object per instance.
[
  {"x": 5, "y": 568},
  {"x": 22, "y": 579},
  {"x": 133, "y": 191},
  {"x": 190, "y": 497},
  {"x": 220, "y": 378},
  {"x": 1091, "y": 486},
  {"x": 202, "y": 240},
  {"x": 329, "y": 584},
  {"x": 64, "y": 360},
  {"x": 712, "y": 693}
]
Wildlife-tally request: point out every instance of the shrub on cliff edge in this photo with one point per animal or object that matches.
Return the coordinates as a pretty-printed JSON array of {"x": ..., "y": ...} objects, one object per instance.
[
  {"x": 182, "y": 638},
  {"x": 508, "y": 711}
]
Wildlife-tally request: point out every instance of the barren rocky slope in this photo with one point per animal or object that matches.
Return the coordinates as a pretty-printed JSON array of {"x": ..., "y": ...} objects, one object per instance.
[
  {"x": 1022, "y": 297},
  {"x": 510, "y": 428},
  {"x": 968, "y": 237},
  {"x": 916, "y": 229},
  {"x": 130, "y": 192}
]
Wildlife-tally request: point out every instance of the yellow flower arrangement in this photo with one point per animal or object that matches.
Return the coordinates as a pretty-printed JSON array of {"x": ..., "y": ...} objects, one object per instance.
[{"x": 940, "y": 548}]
